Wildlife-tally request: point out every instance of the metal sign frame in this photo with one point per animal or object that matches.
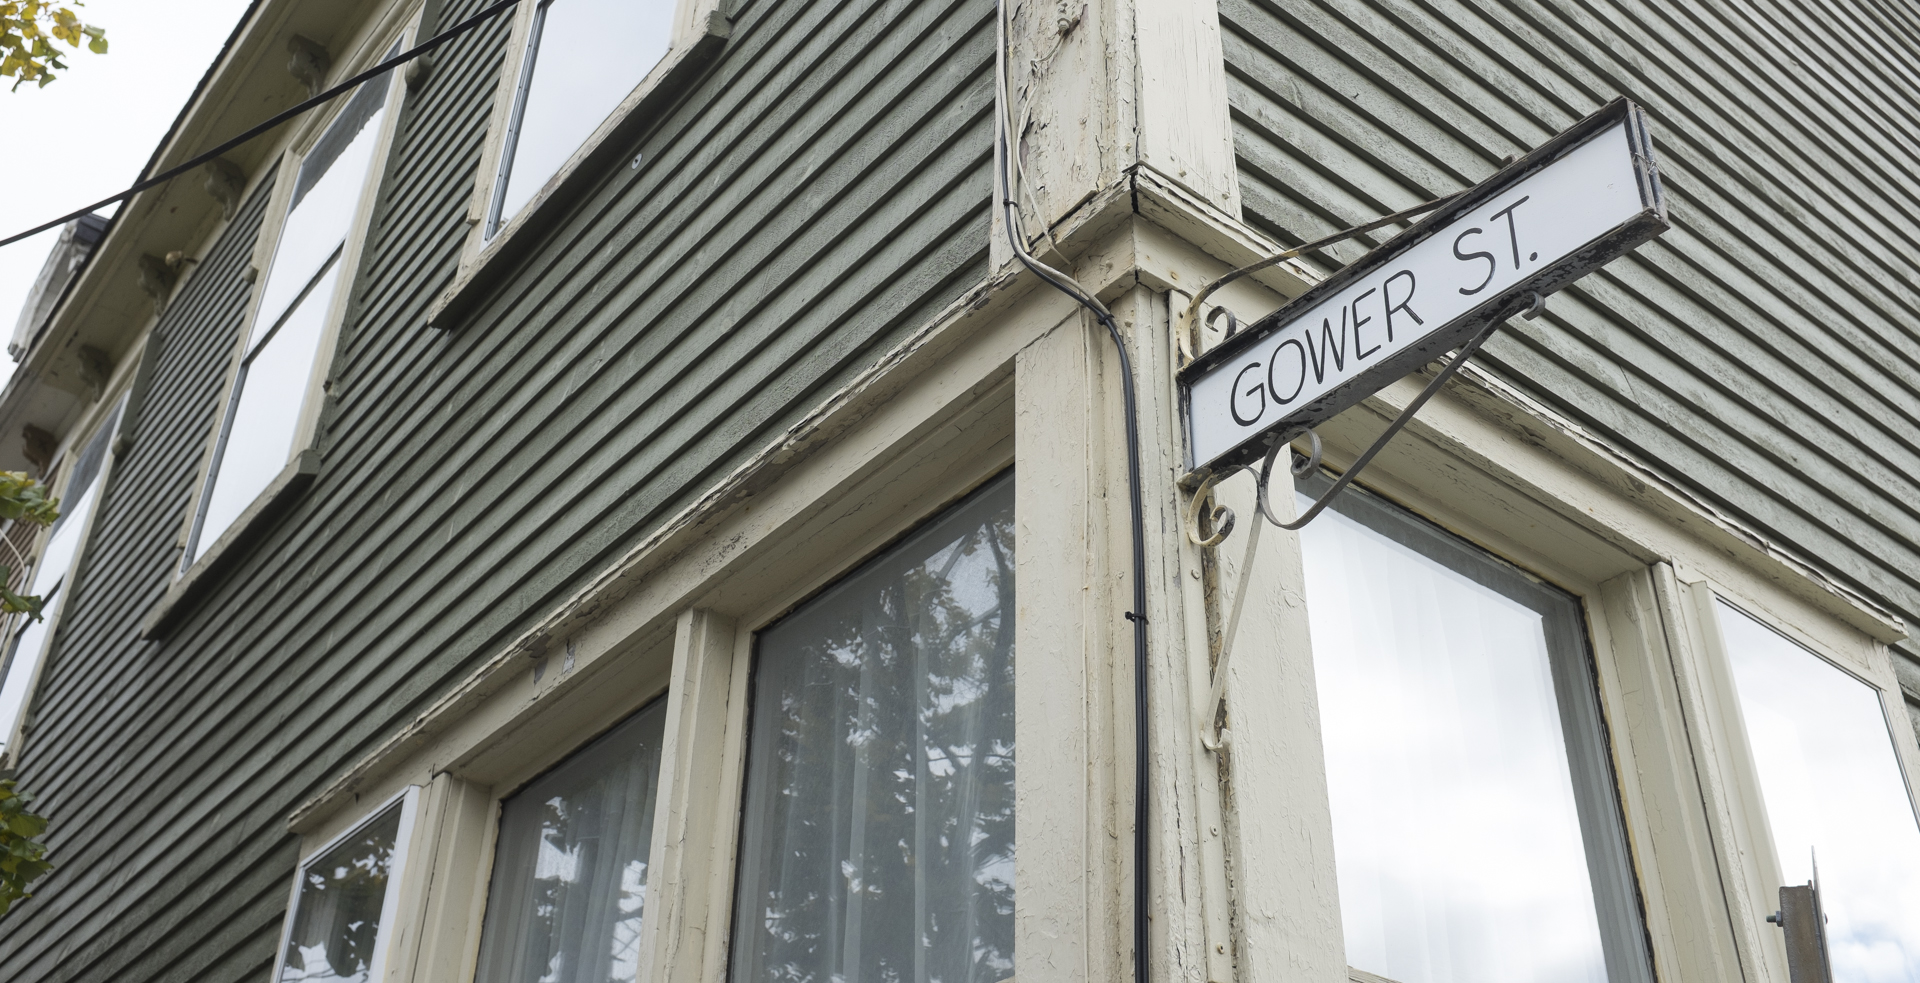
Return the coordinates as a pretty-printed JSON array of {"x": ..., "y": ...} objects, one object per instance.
[{"x": 1516, "y": 298}]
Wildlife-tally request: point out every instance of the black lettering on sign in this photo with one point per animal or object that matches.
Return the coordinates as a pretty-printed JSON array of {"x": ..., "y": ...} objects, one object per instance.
[
  {"x": 1492, "y": 264},
  {"x": 1233, "y": 405},
  {"x": 1300, "y": 373},
  {"x": 1359, "y": 352},
  {"x": 1330, "y": 349},
  {"x": 1513, "y": 234},
  {"x": 1386, "y": 295}
]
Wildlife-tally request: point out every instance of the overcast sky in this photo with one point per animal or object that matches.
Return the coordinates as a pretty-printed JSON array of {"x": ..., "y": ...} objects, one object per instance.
[{"x": 88, "y": 134}]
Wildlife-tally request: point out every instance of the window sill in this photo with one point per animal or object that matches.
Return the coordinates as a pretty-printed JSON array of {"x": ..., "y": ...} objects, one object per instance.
[
  {"x": 187, "y": 587},
  {"x": 609, "y": 145}
]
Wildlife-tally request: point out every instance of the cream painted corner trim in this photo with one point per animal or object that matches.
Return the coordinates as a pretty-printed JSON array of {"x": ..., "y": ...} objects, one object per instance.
[{"x": 963, "y": 321}]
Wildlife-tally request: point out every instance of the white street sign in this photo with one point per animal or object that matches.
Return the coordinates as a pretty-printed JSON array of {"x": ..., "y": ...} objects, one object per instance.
[{"x": 1588, "y": 195}]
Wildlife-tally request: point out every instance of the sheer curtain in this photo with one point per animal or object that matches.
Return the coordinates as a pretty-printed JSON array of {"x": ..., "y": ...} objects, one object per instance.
[
  {"x": 879, "y": 827},
  {"x": 1833, "y": 792},
  {"x": 1475, "y": 831},
  {"x": 570, "y": 870}
]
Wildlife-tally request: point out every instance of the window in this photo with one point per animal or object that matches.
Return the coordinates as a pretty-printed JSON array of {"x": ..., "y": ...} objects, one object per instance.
[
  {"x": 878, "y": 830},
  {"x": 582, "y": 57},
  {"x": 1476, "y": 834},
  {"x": 570, "y": 871},
  {"x": 1834, "y": 797},
  {"x": 343, "y": 898},
  {"x": 261, "y": 430},
  {"x": 51, "y": 574}
]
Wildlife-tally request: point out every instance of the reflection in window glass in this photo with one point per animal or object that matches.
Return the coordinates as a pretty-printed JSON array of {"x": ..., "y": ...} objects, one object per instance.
[
  {"x": 335, "y": 933},
  {"x": 583, "y": 57},
  {"x": 570, "y": 871},
  {"x": 259, "y": 428},
  {"x": 879, "y": 823},
  {"x": 1832, "y": 787},
  {"x": 50, "y": 574},
  {"x": 1475, "y": 833}
]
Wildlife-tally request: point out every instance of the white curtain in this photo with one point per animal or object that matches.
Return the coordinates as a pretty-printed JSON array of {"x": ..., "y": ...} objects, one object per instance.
[
  {"x": 1458, "y": 833},
  {"x": 879, "y": 827}
]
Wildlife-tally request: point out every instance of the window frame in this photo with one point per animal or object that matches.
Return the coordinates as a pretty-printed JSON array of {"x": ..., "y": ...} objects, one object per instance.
[
  {"x": 115, "y": 400},
  {"x": 302, "y": 461},
  {"x": 1749, "y": 855},
  {"x": 407, "y": 800},
  {"x": 700, "y": 28}
]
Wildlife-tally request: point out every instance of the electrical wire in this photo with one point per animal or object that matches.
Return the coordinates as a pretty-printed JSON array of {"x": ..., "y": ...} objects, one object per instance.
[
  {"x": 386, "y": 66},
  {"x": 1004, "y": 191}
]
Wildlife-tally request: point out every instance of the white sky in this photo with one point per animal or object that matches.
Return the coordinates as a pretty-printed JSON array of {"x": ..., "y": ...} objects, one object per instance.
[{"x": 87, "y": 135}]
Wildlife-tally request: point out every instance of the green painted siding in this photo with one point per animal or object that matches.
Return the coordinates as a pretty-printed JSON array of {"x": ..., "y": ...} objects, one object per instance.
[
  {"x": 822, "y": 191},
  {"x": 1764, "y": 351}
]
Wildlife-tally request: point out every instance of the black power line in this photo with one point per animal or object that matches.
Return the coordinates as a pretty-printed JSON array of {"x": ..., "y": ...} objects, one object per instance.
[{"x": 386, "y": 66}]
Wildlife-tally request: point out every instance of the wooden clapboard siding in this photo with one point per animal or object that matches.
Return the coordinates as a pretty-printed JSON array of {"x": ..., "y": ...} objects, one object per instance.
[
  {"x": 820, "y": 193},
  {"x": 1764, "y": 350}
]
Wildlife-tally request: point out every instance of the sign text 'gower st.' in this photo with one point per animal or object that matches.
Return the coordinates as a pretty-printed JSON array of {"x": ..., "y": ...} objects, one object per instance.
[{"x": 1588, "y": 195}]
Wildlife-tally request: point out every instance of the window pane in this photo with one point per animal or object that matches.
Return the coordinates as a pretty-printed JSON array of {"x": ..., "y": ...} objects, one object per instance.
[
  {"x": 879, "y": 826},
  {"x": 272, "y": 391},
  {"x": 325, "y": 194},
  {"x": 1832, "y": 786},
  {"x": 50, "y": 572},
  {"x": 570, "y": 871},
  {"x": 586, "y": 56},
  {"x": 1474, "y": 828},
  {"x": 336, "y": 919}
]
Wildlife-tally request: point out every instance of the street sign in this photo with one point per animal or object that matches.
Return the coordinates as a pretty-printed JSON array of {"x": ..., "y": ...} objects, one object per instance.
[{"x": 1582, "y": 198}]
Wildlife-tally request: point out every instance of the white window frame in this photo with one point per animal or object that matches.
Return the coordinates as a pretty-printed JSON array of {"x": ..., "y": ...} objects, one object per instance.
[
  {"x": 116, "y": 397},
  {"x": 371, "y": 46},
  {"x": 1750, "y": 857},
  {"x": 397, "y": 881},
  {"x": 693, "y": 20}
]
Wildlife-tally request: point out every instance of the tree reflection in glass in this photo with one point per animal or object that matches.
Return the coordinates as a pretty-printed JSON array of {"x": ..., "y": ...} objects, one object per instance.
[
  {"x": 336, "y": 921},
  {"x": 570, "y": 871},
  {"x": 879, "y": 818}
]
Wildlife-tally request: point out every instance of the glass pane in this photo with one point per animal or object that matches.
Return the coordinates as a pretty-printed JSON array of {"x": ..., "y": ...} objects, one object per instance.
[
  {"x": 1474, "y": 830},
  {"x": 1833, "y": 787},
  {"x": 336, "y": 918},
  {"x": 325, "y": 194},
  {"x": 879, "y": 826},
  {"x": 585, "y": 56},
  {"x": 271, "y": 391},
  {"x": 63, "y": 545},
  {"x": 570, "y": 871},
  {"x": 28, "y": 646}
]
